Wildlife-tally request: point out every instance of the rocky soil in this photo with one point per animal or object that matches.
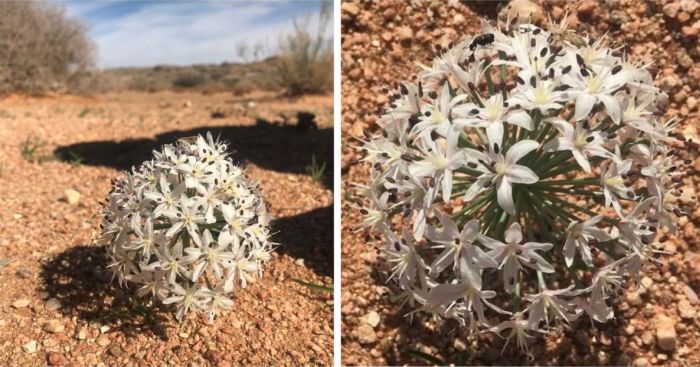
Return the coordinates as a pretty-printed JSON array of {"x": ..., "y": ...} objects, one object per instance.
[
  {"x": 658, "y": 323},
  {"x": 57, "y": 306}
]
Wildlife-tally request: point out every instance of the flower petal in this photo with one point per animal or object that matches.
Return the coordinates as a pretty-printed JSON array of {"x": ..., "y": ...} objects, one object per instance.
[
  {"x": 519, "y": 150},
  {"x": 514, "y": 233},
  {"x": 558, "y": 144},
  {"x": 569, "y": 251},
  {"x": 520, "y": 118},
  {"x": 613, "y": 106},
  {"x": 505, "y": 196},
  {"x": 584, "y": 105},
  {"x": 581, "y": 160},
  {"x": 521, "y": 174},
  {"x": 470, "y": 231},
  {"x": 494, "y": 132}
]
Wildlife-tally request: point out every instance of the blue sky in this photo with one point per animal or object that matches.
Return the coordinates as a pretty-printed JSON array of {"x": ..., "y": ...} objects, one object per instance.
[{"x": 147, "y": 33}]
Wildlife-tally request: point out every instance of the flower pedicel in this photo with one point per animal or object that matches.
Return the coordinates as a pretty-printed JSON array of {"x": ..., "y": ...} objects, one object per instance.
[
  {"x": 521, "y": 179},
  {"x": 187, "y": 227}
]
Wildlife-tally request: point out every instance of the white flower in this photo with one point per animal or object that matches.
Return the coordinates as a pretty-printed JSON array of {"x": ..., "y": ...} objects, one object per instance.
[
  {"x": 547, "y": 304},
  {"x": 511, "y": 255},
  {"x": 492, "y": 116},
  {"x": 456, "y": 245},
  {"x": 614, "y": 184},
  {"x": 186, "y": 215},
  {"x": 437, "y": 117},
  {"x": 635, "y": 230},
  {"x": 185, "y": 298},
  {"x": 467, "y": 288},
  {"x": 164, "y": 198},
  {"x": 438, "y": 162},
  {"x": 519, "y": 328},
  {"x": 579, "y": 234},
  {"x": 159, "y": 222},
  {"x": 579, "y": 141},
  {"x": 593, "y": 85},
  {"x": 519, "y": 132},
  {"x": 215, "y": 300},
  {"x": 543, "y": 96},
  {"x": 503, "y": 172},
  {"x": 147, "y": 240},
  {"x": 407, "y": 265},
  {"x": 209, "y": 254}
]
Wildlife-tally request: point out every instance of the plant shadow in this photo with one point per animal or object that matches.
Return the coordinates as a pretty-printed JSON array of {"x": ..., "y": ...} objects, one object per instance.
[
  {"x": 573, "y": 346},
  {"x": 485, "y": 8},
  {"x": 79, "y": 279},
  {"x": 272, "y": 145},
  {"x": 308, "y": 236}
]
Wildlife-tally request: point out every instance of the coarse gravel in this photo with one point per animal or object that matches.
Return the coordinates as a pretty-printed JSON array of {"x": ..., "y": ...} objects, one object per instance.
[
  {"x": 57, "y": 306},
  {"x": 657, "y": 325}
]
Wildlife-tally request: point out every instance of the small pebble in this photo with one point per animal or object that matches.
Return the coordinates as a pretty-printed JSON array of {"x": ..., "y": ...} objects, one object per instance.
[
  {"x": 372, "y": 319},
  {"x": 686, "y": 310},
  {"x": 30, "y": 347},
  {"x": 20, "y": 303},
  {"x": 103, "y": 341},
  {"x": 365, "y": 334},
  {"x": 52, "y": 304},
  {"x": 665, "y": 333},
  {"x": 71, "y": 196},
  {"x": 54, "y": 359},
  {"x": 54, "y": 326}
]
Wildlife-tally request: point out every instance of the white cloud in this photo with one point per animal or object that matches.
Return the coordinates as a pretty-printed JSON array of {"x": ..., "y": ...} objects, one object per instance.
[{"x": 182, "y": 33}]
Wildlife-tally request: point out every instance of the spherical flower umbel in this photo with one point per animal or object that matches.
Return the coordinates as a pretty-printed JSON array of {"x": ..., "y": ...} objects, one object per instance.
[
  {"x": 520, "y": 180},
  {"x": 187, "y": 227}
]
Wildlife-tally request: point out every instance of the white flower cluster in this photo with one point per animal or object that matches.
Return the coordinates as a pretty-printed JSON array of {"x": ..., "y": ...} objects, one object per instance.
[
  {"x": 520, "y": 181},
  {"x": 187, "y": 227}
]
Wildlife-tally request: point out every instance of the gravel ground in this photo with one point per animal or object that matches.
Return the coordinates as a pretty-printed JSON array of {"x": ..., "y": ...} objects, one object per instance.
[
  {"x": 379, "y": 42},
  {"x": 56, "y": 304}
]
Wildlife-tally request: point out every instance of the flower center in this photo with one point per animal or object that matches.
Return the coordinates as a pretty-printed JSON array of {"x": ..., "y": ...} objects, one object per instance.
[
  {"x": 580, "y": 141},
  {"x": 615, "y": 181},
  {"x": 493, "y": 111},
  {"x": 541, "y": 95},
  {"x": 437, "y": 117},
  {"x": 592, "y": 83},
  {"x": 439, "y": 162},
  {"x": 501, "y": 168}
]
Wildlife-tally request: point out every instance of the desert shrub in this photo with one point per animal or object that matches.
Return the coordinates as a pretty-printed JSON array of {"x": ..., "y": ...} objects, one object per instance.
[
  {"x": 243, "y": 87},
  {"x": 189, "y": 80},
  {"x": 41, "y": 48},
  {"x": 305, "y": 61},
  {"x": 140, "y": 83}
]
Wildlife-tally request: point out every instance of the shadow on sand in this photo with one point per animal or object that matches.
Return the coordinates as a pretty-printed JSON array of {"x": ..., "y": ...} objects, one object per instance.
[
  {"x": 308, "y": 236},
  {"x": 273, "y": 146},
  {"x": 79, "y": 279},
  {"x": 575, "y": 346}
]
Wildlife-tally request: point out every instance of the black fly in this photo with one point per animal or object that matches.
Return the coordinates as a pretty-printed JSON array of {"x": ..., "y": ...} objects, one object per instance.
[{"x": 482, "y": 40}]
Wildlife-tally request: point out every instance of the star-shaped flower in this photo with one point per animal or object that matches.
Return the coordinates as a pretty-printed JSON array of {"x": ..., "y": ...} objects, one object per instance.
[
  {"x": 503, "y": 171},
  {"x": 512, "y": 254}
]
